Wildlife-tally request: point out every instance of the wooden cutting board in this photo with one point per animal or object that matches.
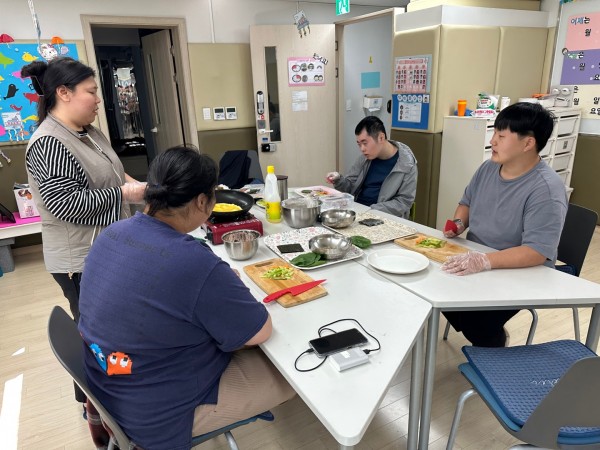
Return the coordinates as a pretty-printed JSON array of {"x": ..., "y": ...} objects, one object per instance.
[
  {"x": 435, "y": 254},
  {"x": 255, "y": 272}
]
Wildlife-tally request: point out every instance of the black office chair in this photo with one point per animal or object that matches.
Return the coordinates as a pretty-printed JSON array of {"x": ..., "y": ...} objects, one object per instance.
[
  {"x": 575, "y": 240},
  {"x": 67, "y": 345}
]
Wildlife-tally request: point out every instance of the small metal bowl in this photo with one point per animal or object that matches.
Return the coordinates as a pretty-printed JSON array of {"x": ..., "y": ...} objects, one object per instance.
[
  {"x": 338, "y": 218},
  {"x": 331, "y": 246},
  {"x": 241, "y": 244}
]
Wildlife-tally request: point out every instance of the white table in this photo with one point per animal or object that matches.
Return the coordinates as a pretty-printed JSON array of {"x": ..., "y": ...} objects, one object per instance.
[
  {"x": 345, "y": 402},
  {"x": 532, "y": 287}
]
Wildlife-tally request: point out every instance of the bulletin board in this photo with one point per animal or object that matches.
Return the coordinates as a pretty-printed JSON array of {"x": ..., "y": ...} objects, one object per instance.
[
  {"x": 412, "y": 85},
  {"x": 18, "y": 99},
  {"x": 577, "y": 59}
]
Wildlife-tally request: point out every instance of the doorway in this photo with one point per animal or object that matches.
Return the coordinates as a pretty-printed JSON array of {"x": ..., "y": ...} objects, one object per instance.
[
  {"x": 144, "y": 74},
  {"x": 366, "y": 67}
]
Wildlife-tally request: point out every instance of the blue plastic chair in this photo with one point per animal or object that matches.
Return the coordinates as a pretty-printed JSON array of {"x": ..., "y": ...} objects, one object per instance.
[
  {"x": 66, "y": 343},
  {"x": 546, "y": 395}
]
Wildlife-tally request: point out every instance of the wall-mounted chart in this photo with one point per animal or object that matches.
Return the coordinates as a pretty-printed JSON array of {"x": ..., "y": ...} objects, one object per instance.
[
  {"x": 18, "y": 99},
  {"x": 410, "y": 100},
  {"x": 577, "y": 59}
]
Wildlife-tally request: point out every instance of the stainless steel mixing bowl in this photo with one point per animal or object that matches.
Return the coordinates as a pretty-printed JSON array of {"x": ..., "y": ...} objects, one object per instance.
[
  {"x": 241, "y": 244},
  {"x": 331, "y": 246},
  {"x": 338, "y": 218}
]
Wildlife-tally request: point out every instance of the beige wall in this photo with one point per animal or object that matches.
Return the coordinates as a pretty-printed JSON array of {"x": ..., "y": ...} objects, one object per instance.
[
  {"x": 467, "y": 60},
  {"x": 222, "y": 76},
  {"x": 423, "y": 41},
  {"x": 521, "y": 62},
  {"x": 531, "y": 5}
]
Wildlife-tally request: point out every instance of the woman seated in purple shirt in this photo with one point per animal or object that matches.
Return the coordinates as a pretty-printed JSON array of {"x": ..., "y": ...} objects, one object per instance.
[{"x": 166, "y": 321}]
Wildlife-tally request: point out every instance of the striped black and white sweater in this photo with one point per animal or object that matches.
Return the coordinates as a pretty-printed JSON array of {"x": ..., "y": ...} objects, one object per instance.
[{"x": 64, "y": 187}]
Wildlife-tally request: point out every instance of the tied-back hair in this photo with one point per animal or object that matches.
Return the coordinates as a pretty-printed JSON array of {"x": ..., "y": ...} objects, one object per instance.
[
  {"x": 48, "y": 77},
  {"x": 527, "y": 119},
  {"x": 372, "y": 125},
  {"x": 177, "y": 176}
]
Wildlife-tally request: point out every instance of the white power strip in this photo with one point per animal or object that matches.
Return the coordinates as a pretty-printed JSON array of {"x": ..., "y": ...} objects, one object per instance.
[{"x": 348, "y": 358}]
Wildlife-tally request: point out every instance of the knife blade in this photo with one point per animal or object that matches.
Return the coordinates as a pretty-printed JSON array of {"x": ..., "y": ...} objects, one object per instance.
[{"x": 294, "y": 290}]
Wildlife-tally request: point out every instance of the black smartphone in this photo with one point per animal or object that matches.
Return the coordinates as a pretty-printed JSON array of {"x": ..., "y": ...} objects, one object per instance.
[{"x": 337, "y": 342}]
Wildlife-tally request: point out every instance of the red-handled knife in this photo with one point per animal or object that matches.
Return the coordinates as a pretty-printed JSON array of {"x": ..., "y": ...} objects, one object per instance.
[{"x": 294, "y": 290}]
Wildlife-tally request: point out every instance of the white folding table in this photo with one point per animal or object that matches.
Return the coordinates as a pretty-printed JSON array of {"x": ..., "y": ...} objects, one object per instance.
[
  {"x": 532, "y": 287},
  {"x": 345, "y": 402}
]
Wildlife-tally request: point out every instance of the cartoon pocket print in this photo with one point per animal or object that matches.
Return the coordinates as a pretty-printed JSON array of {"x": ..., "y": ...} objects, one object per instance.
[
  {"x": 100, "y": 358},
  {"x": 119, "y": 364}
]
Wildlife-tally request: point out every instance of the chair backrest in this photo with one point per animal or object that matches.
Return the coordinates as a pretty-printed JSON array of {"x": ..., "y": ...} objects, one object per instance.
[
  {"x": 67, "y": 345},
  {"x": 234, "y": 168},
  {"x": 576, "y": 236},
  {"x": 574, "y": 401},
  {"x": 254, "y": 173}
]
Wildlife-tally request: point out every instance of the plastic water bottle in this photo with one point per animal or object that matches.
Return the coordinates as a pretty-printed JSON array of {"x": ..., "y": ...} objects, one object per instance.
[{"x": 272, "y": 198}]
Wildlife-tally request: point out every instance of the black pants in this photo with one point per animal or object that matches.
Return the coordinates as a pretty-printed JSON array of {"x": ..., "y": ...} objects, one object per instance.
[
  {"x": 482, "y": 328},
  {"x": 70, "y": 288}
]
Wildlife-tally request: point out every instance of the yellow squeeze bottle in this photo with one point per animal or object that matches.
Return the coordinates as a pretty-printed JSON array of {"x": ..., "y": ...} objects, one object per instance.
[{"x": 272, "y": 198}]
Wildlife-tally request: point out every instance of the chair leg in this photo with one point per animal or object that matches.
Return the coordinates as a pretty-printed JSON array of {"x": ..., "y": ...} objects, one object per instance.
[
  {"x": 457, "y": 414},
  {"x": 534, "y": 322},
  {"x": 446, "y": 330},
  {"x": 576, "y": 324},
  {"x": 231, "y": 441}
]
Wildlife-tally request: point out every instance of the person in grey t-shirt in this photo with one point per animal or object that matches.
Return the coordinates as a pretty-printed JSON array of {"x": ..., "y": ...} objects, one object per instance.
[{"x": 516, "y": 204}]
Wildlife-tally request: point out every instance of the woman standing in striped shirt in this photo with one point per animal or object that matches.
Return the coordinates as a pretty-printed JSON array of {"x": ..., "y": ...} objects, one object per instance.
[{"x": 78, "y": 181}]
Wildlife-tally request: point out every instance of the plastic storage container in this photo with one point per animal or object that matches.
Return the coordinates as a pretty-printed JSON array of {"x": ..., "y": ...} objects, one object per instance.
[
  {"x": 336, "y": 201},
  {"x": 271, "y": 197}
]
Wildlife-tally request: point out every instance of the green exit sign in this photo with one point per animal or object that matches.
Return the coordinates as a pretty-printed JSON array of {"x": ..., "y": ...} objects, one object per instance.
[{"x": 342, "y": 7}]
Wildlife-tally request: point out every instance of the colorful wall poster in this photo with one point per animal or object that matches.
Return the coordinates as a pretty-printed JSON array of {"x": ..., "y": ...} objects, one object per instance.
[
  {"x": 412, "y": 85},
  {"x": 412, "y": 74},
  {"x": 306, "y": 71},
  {"x": 581, "y": 52},
  {"x": 18, "y": 99},
  {"x": 581, "y": 62}
]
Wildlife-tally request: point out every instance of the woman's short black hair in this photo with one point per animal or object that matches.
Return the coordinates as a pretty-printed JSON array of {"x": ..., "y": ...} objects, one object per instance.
[
  {"x": 527, "y": 119},
  {"x": 372, "y": 125},
  {"x": 177, "y": 176},
  {"x": 47, "y": 77}
]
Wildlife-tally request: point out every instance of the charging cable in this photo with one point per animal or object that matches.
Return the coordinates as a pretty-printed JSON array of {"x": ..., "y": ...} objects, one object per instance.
[
  {"x": 366, "y": 350},
  {"x": 320, "y": 332}
]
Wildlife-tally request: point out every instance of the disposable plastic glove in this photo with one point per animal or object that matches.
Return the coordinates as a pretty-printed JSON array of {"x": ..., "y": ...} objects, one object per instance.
[
  {"x": 453, "y": 229},
  {"x": 133, "y": 192},
  {"x": 467, "y": 263},
  {"x": 332, "y": 177}
]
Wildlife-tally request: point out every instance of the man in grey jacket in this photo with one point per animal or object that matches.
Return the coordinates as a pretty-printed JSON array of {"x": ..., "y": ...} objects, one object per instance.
[{"x": 384, "y": 177}]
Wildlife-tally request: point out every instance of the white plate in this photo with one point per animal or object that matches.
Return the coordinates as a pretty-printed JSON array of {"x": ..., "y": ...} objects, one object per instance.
[{"x": 398, "y": 261}]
